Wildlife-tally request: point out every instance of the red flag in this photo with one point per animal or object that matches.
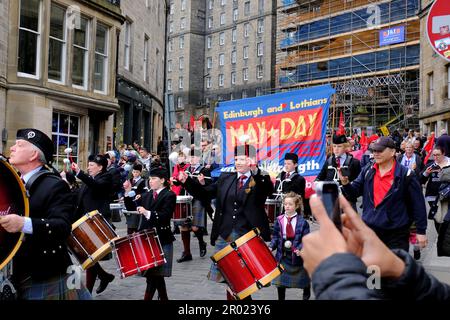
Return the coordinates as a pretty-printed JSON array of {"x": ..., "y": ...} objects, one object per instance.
[
  {"x": 428, "y": 148},
  {"x": 363, "y": 141},
  {"x": 191, "y": 123},
  {"x": 341, "y": 129}
]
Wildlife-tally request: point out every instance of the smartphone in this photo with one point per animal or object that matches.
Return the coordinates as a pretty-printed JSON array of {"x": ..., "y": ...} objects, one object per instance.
[{"x": 328, "y": 191}]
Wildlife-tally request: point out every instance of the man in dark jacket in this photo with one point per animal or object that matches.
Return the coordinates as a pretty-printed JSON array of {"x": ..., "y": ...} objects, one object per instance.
[
  {"x": 392, "y": 197},
  {"x": 240, "y": 198},
  {"x": 342, "y": 267},
  {"x": 41, "y": 264}
]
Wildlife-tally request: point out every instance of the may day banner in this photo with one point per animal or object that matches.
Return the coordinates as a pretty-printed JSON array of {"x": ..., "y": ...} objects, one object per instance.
[{"x": 276, "y": 124}]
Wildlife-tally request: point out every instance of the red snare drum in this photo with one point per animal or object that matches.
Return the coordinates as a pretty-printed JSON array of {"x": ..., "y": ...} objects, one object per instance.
[
  {"x": 273, "y": 209},
  {"x": 247, "y": 264},
  {"x": 183, "y": 208},
  {"x": 138, "y": 252}
]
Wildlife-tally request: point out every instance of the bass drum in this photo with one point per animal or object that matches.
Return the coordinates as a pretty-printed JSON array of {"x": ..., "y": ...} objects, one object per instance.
[{"x": 13, "y": 200}]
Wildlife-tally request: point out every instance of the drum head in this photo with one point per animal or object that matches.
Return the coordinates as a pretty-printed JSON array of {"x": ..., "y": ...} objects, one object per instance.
[{"x": 13, "y": 200}]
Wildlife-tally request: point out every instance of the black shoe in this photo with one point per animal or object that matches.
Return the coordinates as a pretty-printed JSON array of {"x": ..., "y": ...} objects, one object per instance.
[
  {"x": 202, "y": 249},
  {"x": 416, "y": 254},
  {"x": 184, "y": 258},
  {"x": 104, "y": 283},
  {"x": 307, "y": 293}
]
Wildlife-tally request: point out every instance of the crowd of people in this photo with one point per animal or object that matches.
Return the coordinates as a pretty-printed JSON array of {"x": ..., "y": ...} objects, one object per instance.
[{"x": 389, "y": 177}]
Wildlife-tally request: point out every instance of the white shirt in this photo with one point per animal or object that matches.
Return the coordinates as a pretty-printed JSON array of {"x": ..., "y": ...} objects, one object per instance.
[
  {"x": 285, "y": 222},
  {"x": 342, "y": 159},
  {"x": 247, "y": 174},
  {"x": 28, "y": 225}
]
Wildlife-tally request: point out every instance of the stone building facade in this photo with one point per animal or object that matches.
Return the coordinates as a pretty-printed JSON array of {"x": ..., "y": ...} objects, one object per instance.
[{"x": 61, "y": 72}]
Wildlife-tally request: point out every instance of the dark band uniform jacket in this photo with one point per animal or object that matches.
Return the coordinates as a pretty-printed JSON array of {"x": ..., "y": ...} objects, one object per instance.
[
  {"x": 297, "y": 184},
  {"x": 44, "y": 254},
  {"x": 207, "y": 173},
  {"x": 249, "y": 214},
  {"x": 328, "y": 175},
  {"x": 161, "y": 212},
  {"x": 95, "y": 194}
]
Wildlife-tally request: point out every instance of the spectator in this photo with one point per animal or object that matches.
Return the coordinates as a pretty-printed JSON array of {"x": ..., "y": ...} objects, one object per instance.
[
  {"x": 410, "y": 159},
  {"x": 338, "y": 263},
  {"x": 444, "y": 142},
  {"x": 392, "y": 197},
  {"x": 145, "y": 158}
]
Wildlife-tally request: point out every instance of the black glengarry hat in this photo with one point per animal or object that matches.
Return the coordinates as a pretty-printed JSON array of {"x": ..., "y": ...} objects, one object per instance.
[
  {"x": 339, "y": 139},
  {"x": 159, "y": 172},
  {"x": 291, "y": 156},
  {"x": 245, "y": 150},
  {"x": 39, "y": 139}
]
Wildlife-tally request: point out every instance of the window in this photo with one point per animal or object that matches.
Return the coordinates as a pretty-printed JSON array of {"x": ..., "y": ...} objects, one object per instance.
[
  {"x": 180, "y": 83},
  {"x": 235, "y": 14},
  {"x": 169, "y": 85},
  {"x": 260, "y": 6},
  {"x": 244, "y": 94},
  {"x": 260, "y": 25},
  {"x": 260, "y": 49},
  {"x": 245, "y": 74},
  {"x": 245, "y": 52},
  {"x": 246, "y": 8},
  {"x": 222, "y": 38},
  {"x": 146, "y": 73},
  {"x": 182, "y": 23},
  {"x": 170, "y": 27},
  {"x": 127, "y": 51},
  {"x": 183, "y": 5},
  {"x": 233, "y": 35},
  {"x": 65, "y": 134},
  {"x": 181, "y": 63},
  {"x": 231, "y": 96},
  {"x": 223, "y": 2},
  {"x": 101, "y": 58},
  {"x": 169, "y": 66},
  {"x": 180, "y": 102},
  {"x": 431, "y": 88},
  {"x": 210, "y": 22},
  {"x": 80, "y": 54},
  {"x": 233, "y": 78},
  {"x": 209, "y": 62},
  {"x": 233, "y": 56},
  {"x": 208, "y": 82},
  {"x": 246, "y": 29},
  {"x": 259, "y": 71},
  {"x": 181, "y": 42},
  {"x": 209, "y": 42},
  {"x": 258, "y": 92},
  {"x": 222, "y": 19},
  {"x": 210, "y": 4},
  {"x": 172, "y": 8},
  {"x": 57, "y": 44},
  {"x": 221, "y": 80},
  {"x": 29, "y": 38},
  {"x": 221, "y": 59},
  {"x": 170, "y": 45}
]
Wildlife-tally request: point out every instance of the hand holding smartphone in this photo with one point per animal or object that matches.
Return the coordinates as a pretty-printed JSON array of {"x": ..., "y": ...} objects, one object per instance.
[{"x": 328, "y": 192}]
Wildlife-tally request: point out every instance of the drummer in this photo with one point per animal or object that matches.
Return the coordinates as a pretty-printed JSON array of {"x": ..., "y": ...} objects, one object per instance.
[
  {"x": 240, "y": 196},
  {"x": 157, "y": 209},
  {"x": 40, "y": 267},
  {"x": 197, "y": 225},
  {"x": 289, "y": 180},
  {"x": 133, "y": 187}
]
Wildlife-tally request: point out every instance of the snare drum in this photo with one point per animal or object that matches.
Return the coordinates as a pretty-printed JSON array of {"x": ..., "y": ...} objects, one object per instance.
[
  {"x": 91, "y": 238},
  {"x": 116, "y": 211},
  {"x": 247, "y": 264},
  {"x": 13, "y": 200},
  {"x": 183, "y": 208},
  {"x": 138, "y": 252},
  {"x": 273, "y": 209}
]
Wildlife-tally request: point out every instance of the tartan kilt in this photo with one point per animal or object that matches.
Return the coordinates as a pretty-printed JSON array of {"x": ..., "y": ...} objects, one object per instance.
[
  {"x": 164, "y": 270},
  {"x": 198, "y": 214},
  {"x": 214, "y": 273},
  {"x": 294, "y": 276},
  {"x": 53, "y": 289}
]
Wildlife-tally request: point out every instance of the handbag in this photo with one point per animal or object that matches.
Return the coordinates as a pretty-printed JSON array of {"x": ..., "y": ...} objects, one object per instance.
[{"x": 444, "y": 192}]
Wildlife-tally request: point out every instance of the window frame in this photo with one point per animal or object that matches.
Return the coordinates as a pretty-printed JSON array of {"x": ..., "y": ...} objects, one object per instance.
[
  {"x": 105, "y": 56},
  {"x": 64, "y": 49},
  {"x": 87, "y": 50}
]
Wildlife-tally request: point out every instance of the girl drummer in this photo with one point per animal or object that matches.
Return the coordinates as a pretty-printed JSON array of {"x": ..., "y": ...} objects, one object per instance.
[{"x": 287, "y": 235}]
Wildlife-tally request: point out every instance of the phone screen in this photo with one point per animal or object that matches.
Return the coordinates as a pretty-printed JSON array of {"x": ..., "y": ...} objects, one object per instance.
[{"x": 329, "y": 195}]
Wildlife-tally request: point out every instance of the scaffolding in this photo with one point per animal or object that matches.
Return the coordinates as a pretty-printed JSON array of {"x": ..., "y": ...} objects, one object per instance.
[{"x": 339, "y": 42}]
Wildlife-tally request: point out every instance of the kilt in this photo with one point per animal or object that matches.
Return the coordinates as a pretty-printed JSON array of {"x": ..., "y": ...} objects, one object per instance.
[
  {"x": 214, "y": 273},
  {"x": 198, "y": 216},
  {"x": 52, "y": 289},
  {"x": 294, "y": 276},
  {"x": 164, "y": 270},
  {"x": 132, "y": 220}
]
